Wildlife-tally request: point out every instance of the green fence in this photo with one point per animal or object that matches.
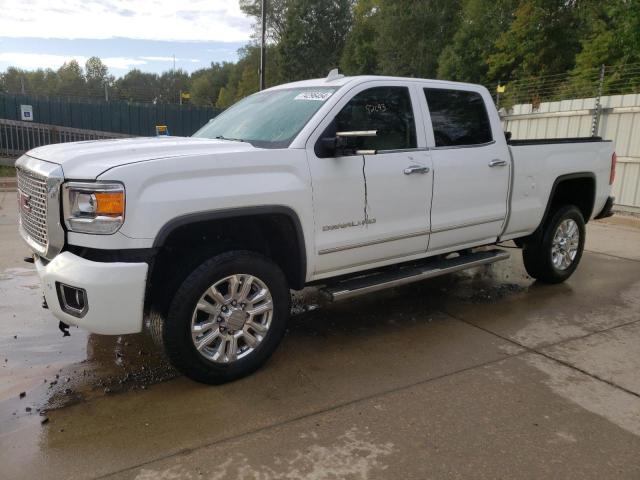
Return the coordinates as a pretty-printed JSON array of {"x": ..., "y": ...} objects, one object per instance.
[{"x": 117, "y": 116}]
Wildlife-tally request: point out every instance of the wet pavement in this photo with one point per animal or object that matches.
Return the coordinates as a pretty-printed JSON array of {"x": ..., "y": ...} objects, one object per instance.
[{"x": 481, "y": 374}]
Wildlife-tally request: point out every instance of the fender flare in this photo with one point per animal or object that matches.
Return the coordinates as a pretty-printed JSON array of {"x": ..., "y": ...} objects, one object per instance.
[
  {"x": 554, "y": 187},
  {"x": 230, "y": 213}
]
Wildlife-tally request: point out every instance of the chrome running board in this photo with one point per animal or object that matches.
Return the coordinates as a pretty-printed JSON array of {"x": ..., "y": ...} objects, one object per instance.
[{"x": 404, "y": 275}]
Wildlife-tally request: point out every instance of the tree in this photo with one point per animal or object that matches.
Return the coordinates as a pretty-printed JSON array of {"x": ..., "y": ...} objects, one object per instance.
[
  {"x": 276, "y": 14},
  {"x": 203, "y": 91},
  {"x": 412, "y": 33},
  {"x": 97, "y": 76},
  {"x": 170, "y": 84},
  {"x": 14, "y": 79},
  {"x": 227, "y": 97},
  {"x": 542, "y": 40},
  {"x": 207, "y": 82},
  {"x": 612, "y": 38},
  {"x": 249, "y": 82},
  {"x": 313, "y": 37},
  {"x": 137, "y": 86},
  {"x": 41, "y": 82},
  {"x": 359, "y": 56},
  {"x": 71, "y": 80},
  {"x": 465, "y": 58}
]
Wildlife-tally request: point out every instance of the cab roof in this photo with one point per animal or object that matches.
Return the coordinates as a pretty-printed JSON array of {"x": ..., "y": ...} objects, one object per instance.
[{"x": 339, "y": 81}]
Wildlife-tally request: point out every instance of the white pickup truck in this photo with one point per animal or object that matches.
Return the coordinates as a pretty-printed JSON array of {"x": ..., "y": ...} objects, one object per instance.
[{"x": 321, "y": 182}]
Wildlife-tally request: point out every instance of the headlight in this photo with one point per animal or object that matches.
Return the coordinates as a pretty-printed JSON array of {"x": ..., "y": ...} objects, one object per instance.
[{"x": 93, "y": 207}]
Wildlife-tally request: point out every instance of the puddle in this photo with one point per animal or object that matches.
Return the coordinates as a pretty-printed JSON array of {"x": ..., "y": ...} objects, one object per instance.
[
  {"x": 350, "y": 455},
  {"x": 617, "y": 406},
  {"x": 55, "y": 371}
]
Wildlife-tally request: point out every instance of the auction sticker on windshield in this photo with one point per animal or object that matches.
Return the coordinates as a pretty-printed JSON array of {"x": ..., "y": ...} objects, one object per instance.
[{"x": 317, "y": 95}]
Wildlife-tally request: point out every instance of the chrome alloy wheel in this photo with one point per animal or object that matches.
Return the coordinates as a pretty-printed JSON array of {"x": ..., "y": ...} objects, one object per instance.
[
  {"x": 232, "y": 318},
  {"x": 564, "y": 246}
]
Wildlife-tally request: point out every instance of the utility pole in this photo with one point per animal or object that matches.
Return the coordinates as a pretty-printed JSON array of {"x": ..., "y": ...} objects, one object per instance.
[
  {"x": 173, "y": 74},
  {"x": 106, "y": 92},
  {"x": 263, "y": 50}
]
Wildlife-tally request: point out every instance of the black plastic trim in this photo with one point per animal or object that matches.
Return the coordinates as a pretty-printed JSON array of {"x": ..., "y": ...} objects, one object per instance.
[
  {"x": 199, "y": 217},
  {"x": 552, "y": 141},
  {"x": 65, "y": 307},
  {"x": 557, "y": 181},
  {"x": 607, "y": 210},
  {"x": 125, "y": 255}
]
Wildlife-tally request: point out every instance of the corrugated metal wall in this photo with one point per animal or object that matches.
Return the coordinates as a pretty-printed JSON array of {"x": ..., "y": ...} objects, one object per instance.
[
  {"x": 619, "y": 121},
  {"x": 116, "y": 116}
]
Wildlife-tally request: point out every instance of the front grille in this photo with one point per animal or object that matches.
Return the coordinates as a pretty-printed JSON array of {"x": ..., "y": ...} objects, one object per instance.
[{"x": 32, "y": 206}]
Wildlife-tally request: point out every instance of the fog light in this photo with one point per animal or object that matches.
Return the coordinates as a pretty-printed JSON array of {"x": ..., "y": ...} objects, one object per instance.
[{"x": 72, "y": 300}]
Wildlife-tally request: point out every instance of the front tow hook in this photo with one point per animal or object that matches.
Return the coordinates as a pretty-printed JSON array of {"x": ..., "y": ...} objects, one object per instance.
[{"x": 64, "y": 328}]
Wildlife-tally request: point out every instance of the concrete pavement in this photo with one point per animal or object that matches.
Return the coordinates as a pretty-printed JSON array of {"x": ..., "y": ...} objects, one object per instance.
[{"x": 483, "y": 374}]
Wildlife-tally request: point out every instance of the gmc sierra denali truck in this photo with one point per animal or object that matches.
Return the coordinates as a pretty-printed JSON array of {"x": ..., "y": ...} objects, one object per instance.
[{"x": 353, "y": 184}]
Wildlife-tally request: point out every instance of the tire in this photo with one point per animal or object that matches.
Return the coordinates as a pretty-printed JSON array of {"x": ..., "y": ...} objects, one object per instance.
[
  {"x": 539, "y": 259},
  {"x": 196, "y": 316}
]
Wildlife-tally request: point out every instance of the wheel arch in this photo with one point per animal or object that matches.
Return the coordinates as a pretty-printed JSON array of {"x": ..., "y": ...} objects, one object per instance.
[
  {"x": 274, "y": 230},
  {"x": 564, "y": 186}
]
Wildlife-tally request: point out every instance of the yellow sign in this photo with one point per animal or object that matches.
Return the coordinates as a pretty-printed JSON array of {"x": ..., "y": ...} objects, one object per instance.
[
  {"x": 500, "y": 89},
  {"x": 162, "y": 130},
  {"x": 186, "y": 95}
]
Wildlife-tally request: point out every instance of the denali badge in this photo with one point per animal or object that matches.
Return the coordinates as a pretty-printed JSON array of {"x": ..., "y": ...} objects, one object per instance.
[
  {"x": 357, "y": 223},
  {"x": 23, "y": 201}
]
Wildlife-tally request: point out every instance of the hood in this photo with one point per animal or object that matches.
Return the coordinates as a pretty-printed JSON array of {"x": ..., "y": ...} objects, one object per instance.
[{"x": 87, "y": 160}]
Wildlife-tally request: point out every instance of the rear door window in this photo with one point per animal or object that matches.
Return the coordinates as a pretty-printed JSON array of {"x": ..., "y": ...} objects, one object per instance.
[{"x": 458, "y": 117}]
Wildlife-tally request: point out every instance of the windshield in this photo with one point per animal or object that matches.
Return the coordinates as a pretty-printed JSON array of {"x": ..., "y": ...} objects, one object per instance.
[{"x": 268, "y": 119}]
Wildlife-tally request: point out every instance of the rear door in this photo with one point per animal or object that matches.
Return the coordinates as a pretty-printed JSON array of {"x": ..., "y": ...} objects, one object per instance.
[
  {"x": 371, "y": 209},
  {"x": 471, "y": 169}
]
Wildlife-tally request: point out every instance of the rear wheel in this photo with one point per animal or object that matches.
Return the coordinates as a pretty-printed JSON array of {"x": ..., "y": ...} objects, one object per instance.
[
  {"x": 227, "y": 317},
  {"x": 556, "y": 254}
]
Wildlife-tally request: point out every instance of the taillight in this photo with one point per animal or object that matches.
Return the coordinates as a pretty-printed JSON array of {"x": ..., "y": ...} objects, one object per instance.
[{"x": 612, "y": 175}]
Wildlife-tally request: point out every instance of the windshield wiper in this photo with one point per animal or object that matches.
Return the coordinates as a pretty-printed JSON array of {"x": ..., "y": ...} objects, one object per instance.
[{"x": 221, "y": 137}]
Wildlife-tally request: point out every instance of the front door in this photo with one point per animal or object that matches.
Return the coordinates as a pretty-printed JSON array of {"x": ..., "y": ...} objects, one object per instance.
[{"x": 372, "y": 208}]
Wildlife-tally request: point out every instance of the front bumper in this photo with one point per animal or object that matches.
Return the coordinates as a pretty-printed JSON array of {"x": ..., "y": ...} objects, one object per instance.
[{"x": 114, "y": 292}]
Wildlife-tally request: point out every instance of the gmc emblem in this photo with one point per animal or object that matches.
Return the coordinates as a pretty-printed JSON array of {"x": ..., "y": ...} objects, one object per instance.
[{"x": 23, "y": 201}]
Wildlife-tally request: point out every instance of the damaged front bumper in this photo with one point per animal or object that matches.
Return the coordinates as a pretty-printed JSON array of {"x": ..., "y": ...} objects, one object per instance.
[{"x": 102, "y": 297}]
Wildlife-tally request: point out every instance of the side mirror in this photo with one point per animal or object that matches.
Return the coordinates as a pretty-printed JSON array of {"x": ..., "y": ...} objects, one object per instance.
[{"x": 340, "y": 145}]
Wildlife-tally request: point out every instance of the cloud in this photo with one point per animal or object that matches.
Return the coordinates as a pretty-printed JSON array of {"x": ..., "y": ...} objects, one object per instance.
[
  {"x": 205, "y": 20},
  {"x": 160, "y": 59},
  {"x": 122, "y": 63},
  {"x": 169, "y": 59},
  {"x": 30, "y": 61}
]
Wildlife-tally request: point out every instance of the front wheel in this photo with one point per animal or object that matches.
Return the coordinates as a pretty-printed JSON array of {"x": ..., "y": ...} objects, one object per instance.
[
  {"x": 227, "y": 317},
  {"x": 554, "y": 257}
]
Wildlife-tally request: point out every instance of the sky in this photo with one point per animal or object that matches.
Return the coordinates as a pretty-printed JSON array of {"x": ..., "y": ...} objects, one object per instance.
[{"x": 125, "y": 34}]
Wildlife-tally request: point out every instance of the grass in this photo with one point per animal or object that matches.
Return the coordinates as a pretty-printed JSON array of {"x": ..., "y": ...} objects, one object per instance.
[{"x": 7, "y": 171}]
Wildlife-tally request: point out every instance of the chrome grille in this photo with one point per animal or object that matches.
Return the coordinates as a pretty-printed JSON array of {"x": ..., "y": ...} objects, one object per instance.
[{"x": 32, "y": 206}]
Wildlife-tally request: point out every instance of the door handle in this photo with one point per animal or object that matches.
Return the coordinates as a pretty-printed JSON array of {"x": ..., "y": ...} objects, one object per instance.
[
  {"x": 497, "y": 163},
  {"x": 410, "y": 170}
]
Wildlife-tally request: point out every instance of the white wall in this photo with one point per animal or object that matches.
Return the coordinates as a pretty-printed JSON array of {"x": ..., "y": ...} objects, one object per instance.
[{"x": 619, "y": 121}]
